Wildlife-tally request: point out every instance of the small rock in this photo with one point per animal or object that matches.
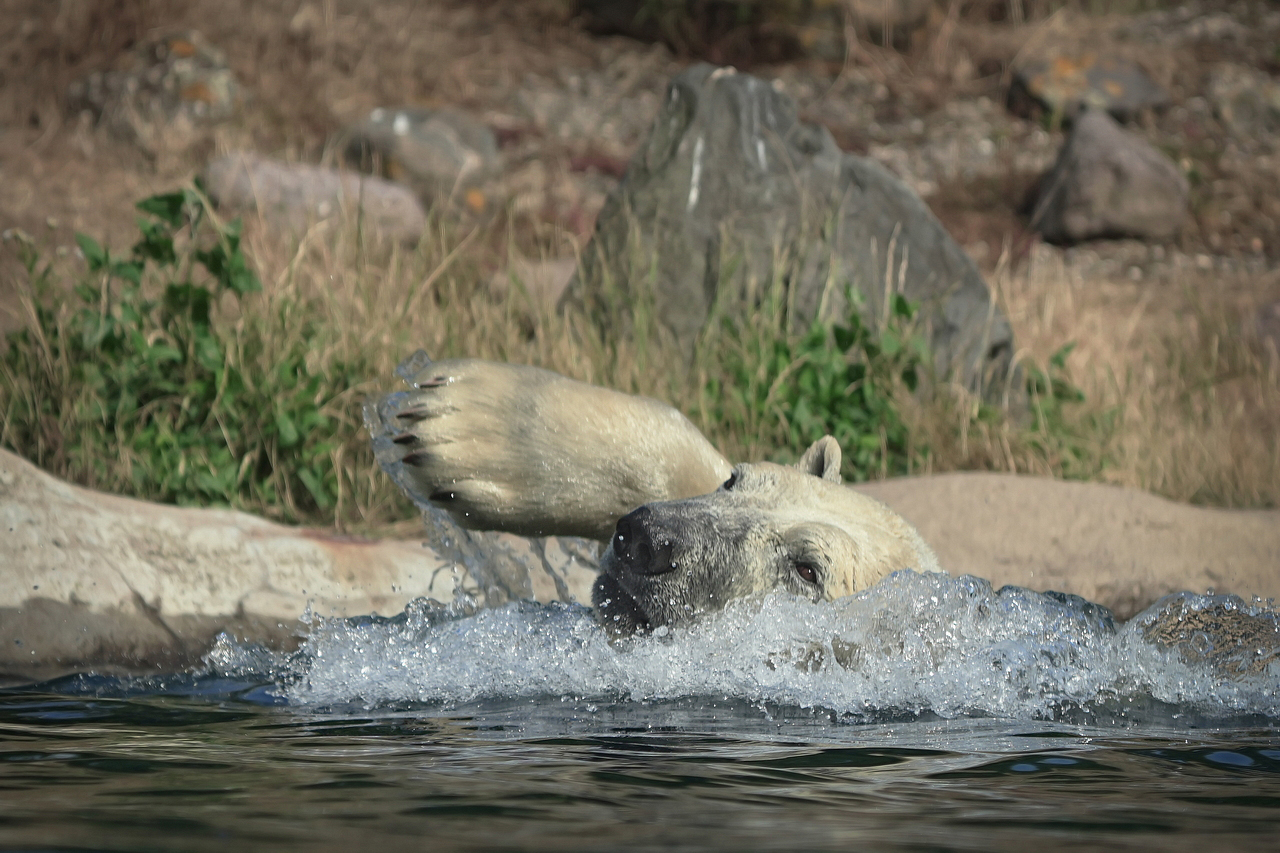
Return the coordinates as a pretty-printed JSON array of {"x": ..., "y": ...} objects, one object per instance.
[
  {"x": 1065, "y": 85},
  {"x": 442, "y": 155},
  {"x": 1246, "y": 100},
  {"x": 172, "y": 88},
  {"x": 296, "y": 195},
  {"x": 1108, "y": 182}
]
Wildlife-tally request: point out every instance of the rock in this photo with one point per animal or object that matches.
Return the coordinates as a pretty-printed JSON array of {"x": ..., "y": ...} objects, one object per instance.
[
  {"x": 91, "y": 579},
  {"x": 1066, "y": 84},
  {"x": 295, "y": 196},
  {"x": 94, "y": 580},
  {"x": 1246, "y": 100},
  {"x": 1120, "y": 547},
  {"x": 169, "y": 90},
  {"x": 1108, "y": 182},
  {"x": 442, "y": 155},
  {"x": 729, "y": 178}
]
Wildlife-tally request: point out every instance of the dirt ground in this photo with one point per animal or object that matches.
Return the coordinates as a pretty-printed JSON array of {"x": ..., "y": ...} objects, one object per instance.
[{"x": 311, "y": 67}]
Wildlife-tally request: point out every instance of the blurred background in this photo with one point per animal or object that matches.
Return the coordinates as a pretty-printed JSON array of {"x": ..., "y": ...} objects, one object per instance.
[{"x": 1136, "y": 258}]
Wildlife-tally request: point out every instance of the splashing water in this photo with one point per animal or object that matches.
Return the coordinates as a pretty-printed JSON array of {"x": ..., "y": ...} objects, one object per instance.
[{"x": 913, "y": 644}]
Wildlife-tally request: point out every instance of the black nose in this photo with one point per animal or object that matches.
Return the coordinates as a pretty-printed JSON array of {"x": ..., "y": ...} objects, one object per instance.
[{"x": 641, "y": 544}]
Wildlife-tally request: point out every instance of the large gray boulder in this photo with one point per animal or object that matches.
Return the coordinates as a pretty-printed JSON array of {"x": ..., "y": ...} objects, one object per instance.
[
  {"x": 1108, "y": 182},
  {"x": 731, "y": 190}
]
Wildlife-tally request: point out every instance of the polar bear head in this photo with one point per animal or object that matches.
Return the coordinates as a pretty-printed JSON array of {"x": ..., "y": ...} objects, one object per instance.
[{"x": 767, "y": 526}]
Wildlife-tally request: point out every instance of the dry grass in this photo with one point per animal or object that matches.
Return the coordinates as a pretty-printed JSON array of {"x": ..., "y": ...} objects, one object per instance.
[
  {"x": 1180, "y": 399},
  {"x": 1197, "y": 401},
  {"x": 1177, "y": 401}
]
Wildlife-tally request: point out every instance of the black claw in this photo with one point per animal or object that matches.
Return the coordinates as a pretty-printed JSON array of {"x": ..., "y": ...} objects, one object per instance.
[
  {"x": 418, "y": 458},
  {"x": 405, "y": 438},
  {"x": 417, "y": 413},
  {"x": 434, "y": 382},
  {"x": 443, "y": 496}
]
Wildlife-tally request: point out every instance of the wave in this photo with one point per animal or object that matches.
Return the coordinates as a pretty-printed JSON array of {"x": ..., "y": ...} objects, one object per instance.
[{"x": 914, "y": 644}]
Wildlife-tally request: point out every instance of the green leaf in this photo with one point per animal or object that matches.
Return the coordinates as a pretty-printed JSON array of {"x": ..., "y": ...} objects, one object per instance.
[
  {"x": 128, "y": 271},
  {"x": 902, "y": 308},
  {"x": 94, "y": 255},
  {"x": 156, "y": 244},
  {"x": 285, "y": 429},
  {"x": 167, "y": 207},
  {"x": 316, "y": 487},
  {"x": 1059, "y": 358},
  {"x": 161, "y": 353},
  {"x": 189, "y": 300},
  {"x": 209, "y": 354}
]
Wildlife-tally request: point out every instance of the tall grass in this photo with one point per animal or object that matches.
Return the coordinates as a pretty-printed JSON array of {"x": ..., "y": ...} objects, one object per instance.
[
  {"x": 251, "y": 398},
  {"x": 1168, "y": 392}
]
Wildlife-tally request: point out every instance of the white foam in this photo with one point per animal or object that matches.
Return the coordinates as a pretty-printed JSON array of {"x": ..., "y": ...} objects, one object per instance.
[{"x": 914, "y": 643}]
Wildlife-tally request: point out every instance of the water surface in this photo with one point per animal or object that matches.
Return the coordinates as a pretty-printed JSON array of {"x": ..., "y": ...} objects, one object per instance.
[{"x": 929, "y": 713}]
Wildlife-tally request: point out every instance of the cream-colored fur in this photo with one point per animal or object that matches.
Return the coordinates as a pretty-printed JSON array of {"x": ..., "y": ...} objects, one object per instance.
[
  {"x": 504, "y": 447},
  {"x": 528, "y": 451}
]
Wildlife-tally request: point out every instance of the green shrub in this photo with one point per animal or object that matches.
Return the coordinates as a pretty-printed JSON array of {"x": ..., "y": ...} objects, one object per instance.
[
  {"x": 1075, "y": 445},
  {"x": 842, "y": 380},
  {"x": 140, "y": 382}
]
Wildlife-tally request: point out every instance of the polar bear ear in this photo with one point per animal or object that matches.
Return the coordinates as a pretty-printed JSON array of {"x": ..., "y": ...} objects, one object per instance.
[{"x": 822, "y": 459}]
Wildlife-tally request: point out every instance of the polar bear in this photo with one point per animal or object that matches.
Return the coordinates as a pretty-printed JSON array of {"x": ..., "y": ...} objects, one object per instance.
[{"x": 527, "y": 451}]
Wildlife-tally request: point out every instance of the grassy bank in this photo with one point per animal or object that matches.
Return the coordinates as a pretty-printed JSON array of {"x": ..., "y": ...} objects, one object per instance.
[{"x": 208, "y": 367}]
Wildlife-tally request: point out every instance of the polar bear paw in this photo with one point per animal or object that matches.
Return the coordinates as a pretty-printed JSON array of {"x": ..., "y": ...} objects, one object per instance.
[
  {"x": 452, "y": 440},
  {"x": 524, "y": 450}
]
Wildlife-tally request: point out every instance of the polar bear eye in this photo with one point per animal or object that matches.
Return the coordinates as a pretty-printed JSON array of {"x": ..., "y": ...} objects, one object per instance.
[{"x": 807, "y": 572}]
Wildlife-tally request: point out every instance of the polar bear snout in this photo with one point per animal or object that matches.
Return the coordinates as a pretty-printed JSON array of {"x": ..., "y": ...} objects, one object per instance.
[{"x": 641, "y": 546}]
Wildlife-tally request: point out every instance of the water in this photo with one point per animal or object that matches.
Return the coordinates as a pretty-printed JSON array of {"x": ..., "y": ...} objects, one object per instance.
[{"x": 926, "y": 713}]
